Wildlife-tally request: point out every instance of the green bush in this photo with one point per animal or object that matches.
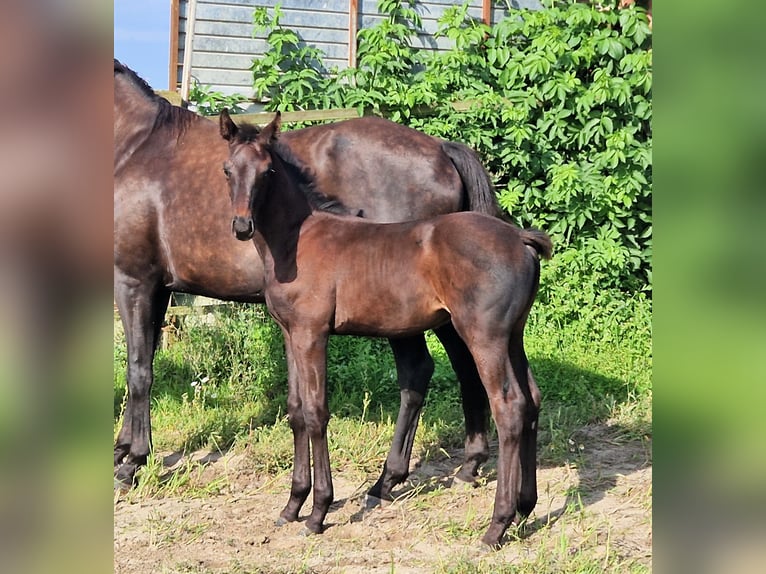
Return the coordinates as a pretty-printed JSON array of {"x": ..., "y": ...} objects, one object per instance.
[{"x": 560, "y": 113}]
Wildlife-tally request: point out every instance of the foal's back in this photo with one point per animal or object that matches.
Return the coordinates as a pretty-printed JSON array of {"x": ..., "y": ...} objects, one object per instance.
[{"x": 401, "y": 278}]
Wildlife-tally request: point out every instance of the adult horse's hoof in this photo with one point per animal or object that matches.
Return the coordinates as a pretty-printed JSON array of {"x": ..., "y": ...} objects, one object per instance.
[
  {"x": 121, "y": 486},
  {"x": 125, "y": 476},
  {"x": 462, "y": 483},
  {"x": 493, "y": 537}
]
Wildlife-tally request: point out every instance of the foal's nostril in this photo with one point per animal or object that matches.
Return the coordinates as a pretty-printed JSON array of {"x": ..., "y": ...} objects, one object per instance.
[{"x": 243, "y": 228}]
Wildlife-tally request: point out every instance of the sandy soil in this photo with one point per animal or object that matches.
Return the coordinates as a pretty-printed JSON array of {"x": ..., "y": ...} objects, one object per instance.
[{"x": 598, "y": 505}]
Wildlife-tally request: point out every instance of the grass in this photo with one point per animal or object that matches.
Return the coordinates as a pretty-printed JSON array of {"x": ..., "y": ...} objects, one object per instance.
[
  {"x": 220, "y": 387},
  {"x": 222, "y": 384}
]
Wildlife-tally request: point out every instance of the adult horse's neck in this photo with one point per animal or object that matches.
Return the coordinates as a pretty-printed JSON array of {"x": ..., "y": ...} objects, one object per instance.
[
  {"x": 134, "y": 116},
  {"x": 279, "y": 212},
  {"x": 140, "y": 114}
]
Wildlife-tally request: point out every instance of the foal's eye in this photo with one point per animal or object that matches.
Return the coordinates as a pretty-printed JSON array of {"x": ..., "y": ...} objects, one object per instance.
[{"x": 226, "y": 172}]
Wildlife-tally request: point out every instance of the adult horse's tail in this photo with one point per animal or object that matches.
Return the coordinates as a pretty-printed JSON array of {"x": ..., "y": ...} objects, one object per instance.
[{"x": 480, "y": 193}]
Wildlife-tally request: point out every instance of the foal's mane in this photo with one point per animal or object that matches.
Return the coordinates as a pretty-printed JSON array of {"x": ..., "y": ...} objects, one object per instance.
[
  {"x": 168, "y": 115},
  {"x": 306, "y": 180},
  {"x": 301, "y": 173}
]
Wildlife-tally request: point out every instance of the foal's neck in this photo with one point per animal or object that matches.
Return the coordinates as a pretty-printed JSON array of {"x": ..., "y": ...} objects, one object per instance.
[{"x": 279, "y": 217}]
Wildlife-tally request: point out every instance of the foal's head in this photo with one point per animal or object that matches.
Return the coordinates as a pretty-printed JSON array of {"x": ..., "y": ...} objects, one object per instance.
[{"x": 247, "y": 169}]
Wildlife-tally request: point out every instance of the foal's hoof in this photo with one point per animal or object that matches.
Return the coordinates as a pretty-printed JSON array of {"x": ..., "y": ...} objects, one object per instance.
[
  {"x": 493, "y": 537},
  {"x": 461, "y": 483},
  {"x": 371, "y": 502},
  {"x": 490, "y": 546},
  {"x": 312, "y": 529}
]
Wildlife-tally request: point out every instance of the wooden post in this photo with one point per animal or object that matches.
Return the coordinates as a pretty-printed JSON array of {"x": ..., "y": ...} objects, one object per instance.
[
  {"x": 353, "y": 23},
  {"x": 191, "y": 16},
  {"x": 173, "y": 60},
  {"x": 486, "y": 11}
]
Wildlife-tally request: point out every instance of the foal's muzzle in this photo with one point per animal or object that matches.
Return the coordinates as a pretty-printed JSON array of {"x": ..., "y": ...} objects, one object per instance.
[{"x": 243, "y": 228}]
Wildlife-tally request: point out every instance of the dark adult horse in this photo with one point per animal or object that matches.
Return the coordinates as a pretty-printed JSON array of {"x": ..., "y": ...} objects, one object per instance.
[
  {"x": 171, "y": 233},
  {"x": 332, "y": 274}
]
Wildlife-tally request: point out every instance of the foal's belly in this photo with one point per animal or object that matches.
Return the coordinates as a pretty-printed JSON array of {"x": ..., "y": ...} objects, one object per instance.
[{"x": 389, "y": 322}]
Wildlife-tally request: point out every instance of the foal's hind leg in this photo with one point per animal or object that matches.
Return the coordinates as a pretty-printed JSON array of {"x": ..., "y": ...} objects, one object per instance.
[
  {"x": 475, "y": 404},
  {"x": 507, "y": 403},
  {"x": 414, "y": 368},
  {"x": 528, "y": 446},
  {"x": 142, "y": 309}
]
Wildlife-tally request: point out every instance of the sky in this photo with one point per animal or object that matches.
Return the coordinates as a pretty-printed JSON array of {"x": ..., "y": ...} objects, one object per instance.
[{"x": 142, "y": 38}]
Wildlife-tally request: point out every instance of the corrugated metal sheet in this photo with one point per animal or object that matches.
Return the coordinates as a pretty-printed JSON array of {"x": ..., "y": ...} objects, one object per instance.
[{"x": 223, "y": 47}]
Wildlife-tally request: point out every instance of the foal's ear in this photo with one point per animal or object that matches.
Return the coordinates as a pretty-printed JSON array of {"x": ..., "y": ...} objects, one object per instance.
[
  {"x": 228, "y": 128},
  {"x": 270, "y": 132}
]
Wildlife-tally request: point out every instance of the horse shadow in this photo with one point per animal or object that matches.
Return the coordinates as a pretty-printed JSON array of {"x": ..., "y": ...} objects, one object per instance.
[{"x": 598, "y": 467}]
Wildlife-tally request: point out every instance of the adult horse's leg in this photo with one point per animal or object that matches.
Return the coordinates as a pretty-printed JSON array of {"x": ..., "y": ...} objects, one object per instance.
[
  {"x": 309, "y": 352},
  {"x": 414, "y": 367},
  {"x": 301, "y": 481},
  {"x": 142, "y": 309},
  {"x": 475, "y": 403}
]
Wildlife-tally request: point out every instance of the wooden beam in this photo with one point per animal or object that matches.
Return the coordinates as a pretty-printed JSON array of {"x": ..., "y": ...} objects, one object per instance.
[
  {"x": 337, "y": 114},
  {"x": 263, "y": 118},
  {"x": 170, "y": 95}
]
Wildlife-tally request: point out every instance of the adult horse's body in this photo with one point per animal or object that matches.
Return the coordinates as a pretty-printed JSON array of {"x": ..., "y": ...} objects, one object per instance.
[
  {"x": 332, "y": 274},
  {"x": 170, "y": 234}
]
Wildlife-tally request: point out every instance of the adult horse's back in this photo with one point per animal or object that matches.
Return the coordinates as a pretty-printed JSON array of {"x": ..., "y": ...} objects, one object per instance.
[
  {"x": 410, "y": 174},
  {"x": 171, "y": 208}
]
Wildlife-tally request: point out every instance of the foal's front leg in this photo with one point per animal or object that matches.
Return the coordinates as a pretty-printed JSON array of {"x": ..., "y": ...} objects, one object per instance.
[
  {"x": 309, "y": 351},
  {"x": 301, "y": 483}
]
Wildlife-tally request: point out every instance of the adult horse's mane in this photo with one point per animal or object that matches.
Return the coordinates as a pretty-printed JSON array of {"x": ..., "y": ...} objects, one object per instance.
[{"x": 168, "y": 115}]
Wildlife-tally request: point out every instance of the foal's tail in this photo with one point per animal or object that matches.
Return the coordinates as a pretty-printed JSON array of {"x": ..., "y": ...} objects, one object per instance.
[
  {"x": 538, "y": 241},
  {"x": 480, "y": 193}
]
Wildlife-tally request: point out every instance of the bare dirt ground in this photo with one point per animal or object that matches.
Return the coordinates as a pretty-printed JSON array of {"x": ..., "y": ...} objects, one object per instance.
[{"x": 598, "y": 506}]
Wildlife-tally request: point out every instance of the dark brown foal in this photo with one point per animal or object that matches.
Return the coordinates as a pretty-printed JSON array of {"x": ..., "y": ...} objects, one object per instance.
[{"x": 327, "y": 273}]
